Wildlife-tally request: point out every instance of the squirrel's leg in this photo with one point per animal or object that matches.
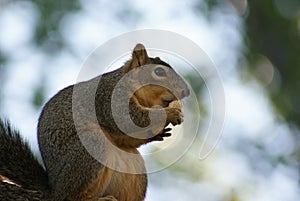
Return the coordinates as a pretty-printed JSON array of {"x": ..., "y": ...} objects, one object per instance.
[{"x": 75, "y": 175}]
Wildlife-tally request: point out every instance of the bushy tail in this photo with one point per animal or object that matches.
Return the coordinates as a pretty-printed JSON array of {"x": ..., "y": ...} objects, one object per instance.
[{"x": 22, "y": 177}]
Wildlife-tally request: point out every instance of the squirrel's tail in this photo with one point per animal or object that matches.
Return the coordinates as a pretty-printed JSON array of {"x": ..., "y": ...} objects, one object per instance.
[{"x": 22, "y": 177}]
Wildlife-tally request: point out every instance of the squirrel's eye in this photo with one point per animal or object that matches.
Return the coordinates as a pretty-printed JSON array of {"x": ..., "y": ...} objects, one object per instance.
[{"x": 160, "y": 72}]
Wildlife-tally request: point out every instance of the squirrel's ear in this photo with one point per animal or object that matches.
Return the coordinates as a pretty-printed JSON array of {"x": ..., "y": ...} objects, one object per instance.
[{"x": 139, "y": 57}]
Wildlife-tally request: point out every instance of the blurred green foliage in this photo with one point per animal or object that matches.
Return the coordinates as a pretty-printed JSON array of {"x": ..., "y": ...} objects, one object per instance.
[
  {"x": 272, "y": 29},
  {"x": 3, "y": 61},
  {"x": 51, "y": 13},
  {"x": 270, "y": 33},
  {"x": 206, "y": 7},
  {"x": 38, "y": 98}
]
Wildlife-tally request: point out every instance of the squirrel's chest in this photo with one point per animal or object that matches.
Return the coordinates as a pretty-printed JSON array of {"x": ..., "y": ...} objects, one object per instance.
[
  {"x": 127, "y": 187},
  {"x": 128, "y": 179},
  {"x": 124, "y": 177}
]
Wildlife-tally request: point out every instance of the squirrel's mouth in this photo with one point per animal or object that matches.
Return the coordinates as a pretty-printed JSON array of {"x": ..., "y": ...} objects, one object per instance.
[{"x": 166, "y": 101}]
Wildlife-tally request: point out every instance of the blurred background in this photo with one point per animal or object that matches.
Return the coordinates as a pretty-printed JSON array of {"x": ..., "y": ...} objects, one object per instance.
[{"x": 255, "y": 45}]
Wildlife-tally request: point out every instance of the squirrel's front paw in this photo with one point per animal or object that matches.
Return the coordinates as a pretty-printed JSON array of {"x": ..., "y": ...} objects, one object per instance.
[
  {"x": 161, "y": 135},
  {"x": 174, "y": 116}
]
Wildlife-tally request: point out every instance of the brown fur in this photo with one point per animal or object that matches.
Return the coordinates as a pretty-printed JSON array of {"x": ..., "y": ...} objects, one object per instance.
[
  {"x": 124, "y": 186},
  {"x": 68, "y": 119},
  {"x": 153, "y": 95}
]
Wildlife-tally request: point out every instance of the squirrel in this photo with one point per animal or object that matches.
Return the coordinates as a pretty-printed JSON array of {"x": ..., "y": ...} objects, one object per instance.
[{"x": 88, "y": 146}]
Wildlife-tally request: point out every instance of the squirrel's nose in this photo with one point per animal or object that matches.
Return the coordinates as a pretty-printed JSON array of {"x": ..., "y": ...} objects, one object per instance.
[{"x": 185, "y": 93}]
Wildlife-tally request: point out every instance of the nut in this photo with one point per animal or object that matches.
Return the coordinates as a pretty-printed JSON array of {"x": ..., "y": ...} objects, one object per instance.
[{"x": 176, "y": 104}]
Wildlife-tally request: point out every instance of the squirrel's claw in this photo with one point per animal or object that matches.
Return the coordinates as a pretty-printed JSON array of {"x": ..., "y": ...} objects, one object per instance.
[{"x": 160, "y": 136}]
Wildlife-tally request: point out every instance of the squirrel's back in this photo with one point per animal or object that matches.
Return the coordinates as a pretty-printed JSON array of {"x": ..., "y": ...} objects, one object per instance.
[{"x": 22, "y": 177}]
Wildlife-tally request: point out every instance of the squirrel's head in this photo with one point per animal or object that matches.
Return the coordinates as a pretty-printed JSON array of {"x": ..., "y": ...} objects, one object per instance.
[{"x": 157, "y": 84}]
